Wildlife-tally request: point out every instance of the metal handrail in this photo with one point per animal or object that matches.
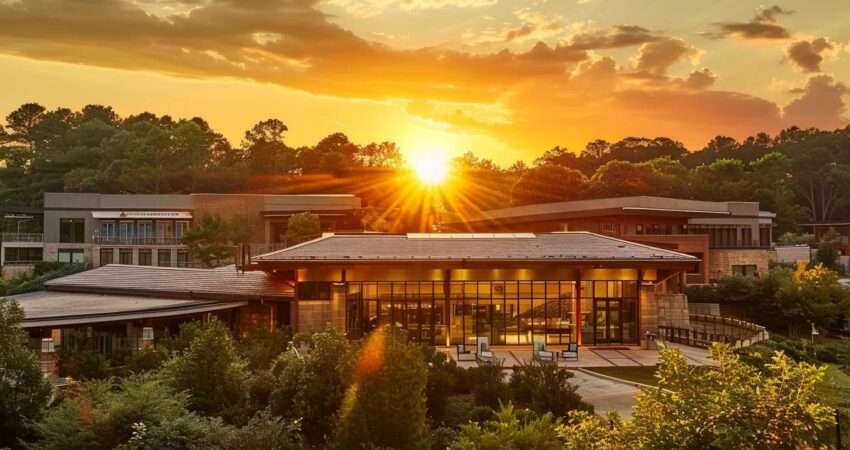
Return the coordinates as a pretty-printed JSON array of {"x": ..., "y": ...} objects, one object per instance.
[
  {"x": 137, "y": 240},
  {"x": 22, "y": 237}
]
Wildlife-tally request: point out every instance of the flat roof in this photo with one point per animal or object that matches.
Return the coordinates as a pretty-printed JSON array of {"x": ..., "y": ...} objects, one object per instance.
[
  {"x": 575, "y": 246},
  {"x": 175, "y": 282},
  {"x": 186, "y": 202},
  {"x": 54, "y": 308},
  {"x": 650, "y": 205}
]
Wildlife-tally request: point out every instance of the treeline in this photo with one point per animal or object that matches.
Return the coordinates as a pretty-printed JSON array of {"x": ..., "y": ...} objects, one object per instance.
[{"x": 801, "y": 174}]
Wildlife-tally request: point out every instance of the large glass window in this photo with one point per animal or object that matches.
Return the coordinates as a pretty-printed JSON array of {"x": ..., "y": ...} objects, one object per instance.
[
  {"x": 71, "y": 255},
  {"x": 72, "y": 230},
  {"x": 107, "y": 255},
  {"x": 505, "y": 312},
  {"x": 182, "y": 258},
  {"x": 163, "y": 257},
  {"x": 125, "y": 256},
  {"x": 145, "y": 257},
  {"x": 23, "y": 255}
]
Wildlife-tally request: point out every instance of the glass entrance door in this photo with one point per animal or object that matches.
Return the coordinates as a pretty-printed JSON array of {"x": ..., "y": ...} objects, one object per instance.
[{"x": 608, "y": 321}]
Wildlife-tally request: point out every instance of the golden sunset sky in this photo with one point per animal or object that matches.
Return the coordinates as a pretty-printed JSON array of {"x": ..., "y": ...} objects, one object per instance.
[{"x": 504, "y": 79}]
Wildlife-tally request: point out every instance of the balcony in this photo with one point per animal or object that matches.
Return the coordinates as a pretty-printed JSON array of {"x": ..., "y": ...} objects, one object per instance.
[
  {"x": 137, "y": 240},
  {"x": 23, "y": 237}
]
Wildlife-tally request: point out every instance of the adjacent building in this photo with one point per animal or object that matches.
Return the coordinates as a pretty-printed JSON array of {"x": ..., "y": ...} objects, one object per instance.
[
  {"x": 729, "y": 238},
  {"x": 148, "y": 230}
]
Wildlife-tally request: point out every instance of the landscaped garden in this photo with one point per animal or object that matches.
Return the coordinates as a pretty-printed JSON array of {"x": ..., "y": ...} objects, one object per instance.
[{"x": 205, "y": 389}]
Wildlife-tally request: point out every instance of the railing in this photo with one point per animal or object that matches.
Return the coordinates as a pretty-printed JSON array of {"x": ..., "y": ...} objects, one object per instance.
[
  {"x": 705, "y": 330},
  {"x": 23, "y": 237},
  {"x": 137, "y": 240}
]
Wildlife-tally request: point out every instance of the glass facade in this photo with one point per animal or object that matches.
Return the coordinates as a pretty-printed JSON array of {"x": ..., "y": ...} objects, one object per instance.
[{"x": 506, "y": 312}]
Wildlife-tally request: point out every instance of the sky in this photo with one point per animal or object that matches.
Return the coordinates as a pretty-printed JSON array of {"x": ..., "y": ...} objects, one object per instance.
[{"x": 504, "y": 79}]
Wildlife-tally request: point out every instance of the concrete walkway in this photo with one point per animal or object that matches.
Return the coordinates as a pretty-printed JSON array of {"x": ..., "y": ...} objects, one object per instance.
[
  {"x": 591, "y": 356},
  {"x": 605, "y": 394}
]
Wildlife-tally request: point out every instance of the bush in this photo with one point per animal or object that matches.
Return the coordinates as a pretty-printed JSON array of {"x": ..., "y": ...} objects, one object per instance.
[
  {"x": 488, "y": 386},
  {"x": 309, "y": 385},
  {"x": 261, "y": 346},
  {"x": 83, "y": 365},
  {"x": 146, "y": 359},
  {"x": 511, "y": 429},
  {"x": 23, "y": 391},
  {"x": 444, "y": 378},
  {"x": 545, "y": 388},
  {"x": 461, "y": 409},
  {"x": 385, "y": 398},
  {"x": 102, "y": 414},
  {"x": 211, "y": 372}
]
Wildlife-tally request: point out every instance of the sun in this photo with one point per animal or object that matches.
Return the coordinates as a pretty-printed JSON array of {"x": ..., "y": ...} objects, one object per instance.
[{"x": 430, "y": 165}]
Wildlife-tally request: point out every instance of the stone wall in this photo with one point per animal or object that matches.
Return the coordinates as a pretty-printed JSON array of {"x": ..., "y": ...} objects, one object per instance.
[
  {"x": 721, "y": 262},
  {"x": 673, "y": 310}
]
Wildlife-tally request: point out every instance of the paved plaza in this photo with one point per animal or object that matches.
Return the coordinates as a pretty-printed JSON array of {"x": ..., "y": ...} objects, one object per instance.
[{"x": 591, "y": 356}]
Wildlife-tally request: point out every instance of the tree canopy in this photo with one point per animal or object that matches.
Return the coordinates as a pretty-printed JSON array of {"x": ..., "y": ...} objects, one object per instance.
[{"x": 800, "y": 174}]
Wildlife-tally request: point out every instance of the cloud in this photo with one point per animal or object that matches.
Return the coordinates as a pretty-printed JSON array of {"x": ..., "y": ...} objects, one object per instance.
[
  {"x": 764, "y": 25},
  {"x": 700, "y": 79},
  {"x": 807, "y": 55},
  {"x": 371, "y": 8},
  {"x": 819, "y": 105},
  {"x": 546, "y": 94},
  {"x": 655, "y": 58}
]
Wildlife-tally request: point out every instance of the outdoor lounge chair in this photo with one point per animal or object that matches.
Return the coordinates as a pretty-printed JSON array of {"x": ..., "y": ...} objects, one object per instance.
[
  {"x": 571, "y": 352},
  {"x": 485, "y": 354},
  {"x": 464, "y": 354},
  {"x": 541, "y": 354}
]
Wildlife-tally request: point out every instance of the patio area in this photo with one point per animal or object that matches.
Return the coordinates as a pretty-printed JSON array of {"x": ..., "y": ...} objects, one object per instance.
[{"x": 512, "y": 356}]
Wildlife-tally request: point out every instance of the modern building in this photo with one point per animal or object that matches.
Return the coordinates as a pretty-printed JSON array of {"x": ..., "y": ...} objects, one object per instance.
[
  {"x": 512, "y": 288},
  {"x": 729, "y": 238},
  {"x": 145, "y": 229}
]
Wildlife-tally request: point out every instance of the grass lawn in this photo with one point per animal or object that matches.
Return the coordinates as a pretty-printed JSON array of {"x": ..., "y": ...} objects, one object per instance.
[
  {"x": 835, "y": 392},
  {"x": 637, "y": 374}
]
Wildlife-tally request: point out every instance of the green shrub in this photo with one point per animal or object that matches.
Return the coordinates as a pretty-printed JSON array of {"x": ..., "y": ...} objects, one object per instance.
[
  {"x": 385, "y": 401},
  {"x": 488, "y": 385},
  {"x": 146, "y": 359},
  {"x": 83, "y": 365},
  {"x": 261, "y": 346},
  {"x": 211, "y": 372},
  {"x": 511, "y": 429},
  {"x": 545, "y": 388},
  {"x": 309, "y": 384}
]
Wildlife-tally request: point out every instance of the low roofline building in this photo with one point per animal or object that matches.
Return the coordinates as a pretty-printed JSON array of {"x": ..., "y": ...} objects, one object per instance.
[{"x": 728, "y": 237}]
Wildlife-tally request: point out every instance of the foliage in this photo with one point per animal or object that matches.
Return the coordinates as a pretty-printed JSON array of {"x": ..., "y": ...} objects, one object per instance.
[
  {"x": 23, "y": 390},
  {"x": 34, "y": 281},
  {"x": 735, "y": 405},
  {"x": 208, "y": 241},
  {"x": 309, "y": 382},
  {"x": 211, "y": 372},
  {"x": 548, "y": 183},
  {"x": 511, "y": 429},
  {"x": 790, "y": 238},
  {"x": 83, "y": 364},
  {"x": 488, "y": 386},
  {"x": 261, "y": 346},
  {"x": 302, "y": 227},
  {"x": 385, "y": 402},
  {"x": 783, "y": 299},
  {"x": 102, "y": 414},
  {"x": 444, "y": 378},
  {"x": 828, "y": 249},
  {"x": 461, "y": 409},
  {"x": 545, "y": 388}
]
